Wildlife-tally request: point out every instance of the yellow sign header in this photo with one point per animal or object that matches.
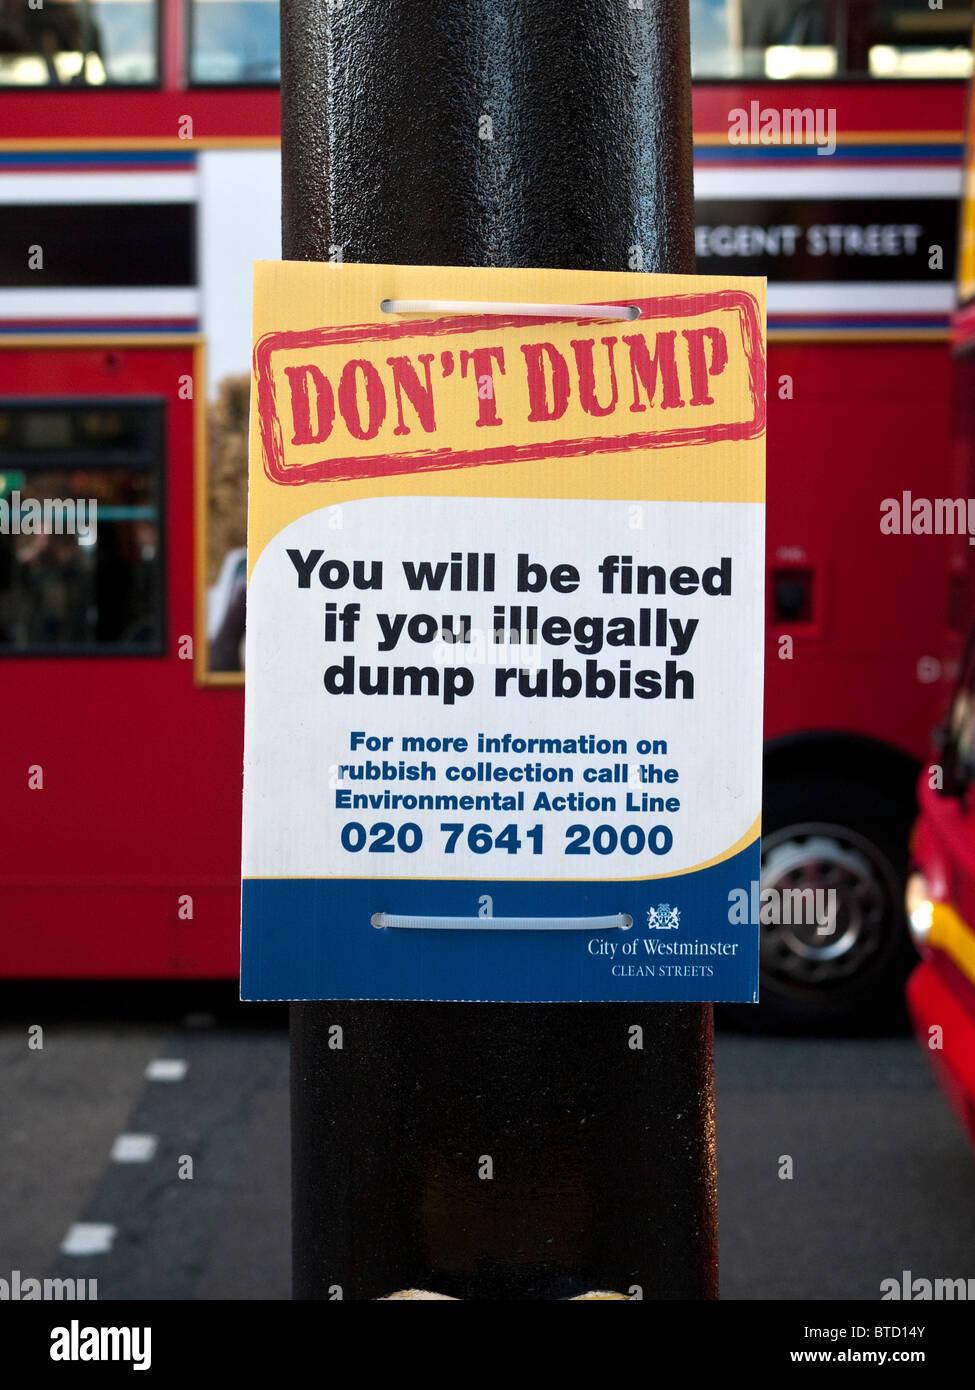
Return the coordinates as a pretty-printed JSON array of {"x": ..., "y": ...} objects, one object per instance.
[{"x": 356, "y": 402}]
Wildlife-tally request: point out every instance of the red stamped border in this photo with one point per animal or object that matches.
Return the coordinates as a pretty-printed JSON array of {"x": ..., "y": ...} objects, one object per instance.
[{"x": 424, "y": 460}]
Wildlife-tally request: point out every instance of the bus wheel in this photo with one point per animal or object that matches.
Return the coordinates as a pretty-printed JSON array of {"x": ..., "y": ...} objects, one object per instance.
[{"x": 844, "y": 970}]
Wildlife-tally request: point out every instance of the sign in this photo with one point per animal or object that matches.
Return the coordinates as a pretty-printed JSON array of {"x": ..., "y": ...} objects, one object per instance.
[
  {"x": 829, "y": 240},
  {"x": 504, "y": 635}
]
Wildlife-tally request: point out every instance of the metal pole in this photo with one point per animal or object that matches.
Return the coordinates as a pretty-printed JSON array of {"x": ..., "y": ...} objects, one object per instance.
[{"x": 498, "y": 133}]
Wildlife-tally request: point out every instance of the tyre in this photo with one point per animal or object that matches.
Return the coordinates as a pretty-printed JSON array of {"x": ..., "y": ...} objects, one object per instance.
[{"x": 847, "y": 974}]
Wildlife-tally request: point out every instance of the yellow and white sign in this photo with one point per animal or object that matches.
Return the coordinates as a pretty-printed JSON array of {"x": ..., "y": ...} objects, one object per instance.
[{"x": 505, "y": 633}]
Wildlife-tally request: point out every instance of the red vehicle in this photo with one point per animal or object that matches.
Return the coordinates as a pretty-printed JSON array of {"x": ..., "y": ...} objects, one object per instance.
[
  {"x": 941, "y": 888},
  {"x": 941, "y": 906},
  {"x": 139, "y": 178}
]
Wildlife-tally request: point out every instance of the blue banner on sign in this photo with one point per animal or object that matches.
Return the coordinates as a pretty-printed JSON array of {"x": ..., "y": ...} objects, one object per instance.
[{"x": 681, "y": 944}]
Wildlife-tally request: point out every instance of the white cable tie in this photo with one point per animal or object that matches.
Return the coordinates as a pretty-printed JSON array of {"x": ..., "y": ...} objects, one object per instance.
[
  {"x": 477, "y": 306},
  {"x": 621, "y": 921}
]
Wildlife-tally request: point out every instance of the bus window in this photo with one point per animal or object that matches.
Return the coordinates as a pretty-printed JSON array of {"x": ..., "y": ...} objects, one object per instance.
[
  {"x": 223, "y": 518},
  {"x": 80, "y": 529},
  {"x": 78, "y": 43},
  {"x": 234, "y": 41},
  {"x": 817, "y": 39}
]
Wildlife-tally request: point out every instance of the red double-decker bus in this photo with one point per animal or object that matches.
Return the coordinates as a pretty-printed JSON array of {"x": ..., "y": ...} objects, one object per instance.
[{"x": 139, "y": 177}]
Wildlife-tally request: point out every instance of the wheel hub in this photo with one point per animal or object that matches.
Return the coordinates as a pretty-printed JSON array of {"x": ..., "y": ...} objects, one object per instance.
[{"x": 845, "y": 873}]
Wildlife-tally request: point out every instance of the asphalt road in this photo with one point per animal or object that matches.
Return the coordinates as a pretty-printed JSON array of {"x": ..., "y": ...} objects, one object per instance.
[{"x": 96, "y": 1138}]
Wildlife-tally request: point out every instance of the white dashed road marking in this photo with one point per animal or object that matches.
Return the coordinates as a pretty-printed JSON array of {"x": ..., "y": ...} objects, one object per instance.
[
  {"x": 166, "y": 1069},
  {"x": 135, "y": 1148},
  {"x": 88, "y": 1238}
]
